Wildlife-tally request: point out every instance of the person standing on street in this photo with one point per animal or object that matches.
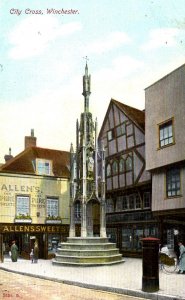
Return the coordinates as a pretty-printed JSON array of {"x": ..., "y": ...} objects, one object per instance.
[
  {"x": 36, "y": 251},
  {"x": 31, "y": 255},
  {"x": 181, "y": 258},
  {"x": 14, "y": 252}
]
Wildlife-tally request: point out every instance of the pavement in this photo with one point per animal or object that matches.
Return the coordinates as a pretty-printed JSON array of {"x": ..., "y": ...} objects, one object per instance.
[{"x": 124, "y": 278}]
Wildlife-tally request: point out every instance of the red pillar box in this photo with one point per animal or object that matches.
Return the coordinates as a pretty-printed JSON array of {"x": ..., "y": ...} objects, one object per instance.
[{"x": 150, "y": 279}]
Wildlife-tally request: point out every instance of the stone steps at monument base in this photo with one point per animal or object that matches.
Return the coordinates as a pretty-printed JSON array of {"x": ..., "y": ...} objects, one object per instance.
[
  {"x": 87, "y": 240},
  {"x": 87, "y": 259},
  {"x": 78, "y": 246},
  {"x": 89, "y": 264},
  {"x": 86, "y": 252}
]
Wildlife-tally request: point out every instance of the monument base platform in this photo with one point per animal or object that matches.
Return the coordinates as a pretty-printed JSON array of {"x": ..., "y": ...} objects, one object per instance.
[{"x": 89, "y": 251}]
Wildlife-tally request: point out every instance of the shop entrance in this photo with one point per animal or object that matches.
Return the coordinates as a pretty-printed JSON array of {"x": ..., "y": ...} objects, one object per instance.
[
  {"x": 7, "y": 241},
  {"x": 40, "y": 239},
  {"x": 24, "y": 242},
  {"x": 48, "y": 237}
]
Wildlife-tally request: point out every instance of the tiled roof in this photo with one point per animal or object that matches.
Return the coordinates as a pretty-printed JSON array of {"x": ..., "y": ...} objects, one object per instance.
[
  {"x": 136, "y": 115},
  {"x": 23, "y": 162}
]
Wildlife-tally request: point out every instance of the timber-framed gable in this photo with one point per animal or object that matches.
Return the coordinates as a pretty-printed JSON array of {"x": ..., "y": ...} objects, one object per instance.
[{"x": 128, "y": 184}]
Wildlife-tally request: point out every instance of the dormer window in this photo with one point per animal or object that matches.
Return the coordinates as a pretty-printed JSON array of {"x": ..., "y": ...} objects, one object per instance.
[{"x": 44, "y": 167}]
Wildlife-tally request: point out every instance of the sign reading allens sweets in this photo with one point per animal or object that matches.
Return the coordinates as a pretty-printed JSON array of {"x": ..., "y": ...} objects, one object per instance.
[{"x": 7, "y": 228}]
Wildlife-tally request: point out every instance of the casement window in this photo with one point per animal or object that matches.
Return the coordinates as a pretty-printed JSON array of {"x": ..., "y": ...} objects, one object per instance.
[
  {"x": 110, "y": 206},
  {"x": 121, "y": 130},
  {"x": 166, "y": 133},
  {"x": 126, "y": 164},
  {"x": 173, "y": 184},
  {"x": 146, "y": 200},
  {"x": 129, "y": 164},
  {"x": 119, "y": 203},
  {"x": 137, "y": 202},
  {"x": 122, "y": 165},
  {"x": 130, "y": 202},
  {"x": 43, "y": 167},
  {"x": 108, "y": 170},
  {"x": 52, "y": 207},
  {"x": 23, "y": 205},
  {"x": 125, "y": 203},
  {"x": 115, "y": 167},
  {"x": 110, "y": 135}
]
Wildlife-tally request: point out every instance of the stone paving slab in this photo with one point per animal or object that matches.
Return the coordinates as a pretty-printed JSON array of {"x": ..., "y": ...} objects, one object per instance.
[{"x": 125, "y": 278}]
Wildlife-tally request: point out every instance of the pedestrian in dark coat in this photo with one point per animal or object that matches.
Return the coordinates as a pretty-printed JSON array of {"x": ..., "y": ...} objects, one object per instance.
[{"x": 14, "y": 252}]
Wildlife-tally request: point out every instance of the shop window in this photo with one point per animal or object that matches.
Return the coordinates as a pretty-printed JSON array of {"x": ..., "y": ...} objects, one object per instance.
[
  {"x": 166, "y": 136},
  {"x": 173, "y": 182},
  {"x": 127, "y": 238},
  {"x": 23, "y": 205},
  {"x": 52, "y": 207},
  {"x": 53, "y": 243},
  {"x": 137, "y": 237},
  {"x": 132, "y": 236},
  {"x": 151, "y": 230},
  {"x": 112, "y": 234},
  {"x": 43, "y": 167},
  {"x": 146, "y": 200}
]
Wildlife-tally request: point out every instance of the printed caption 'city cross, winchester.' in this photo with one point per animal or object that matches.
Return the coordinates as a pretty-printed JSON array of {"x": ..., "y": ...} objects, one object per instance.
[{"x": 48, "y": 11}]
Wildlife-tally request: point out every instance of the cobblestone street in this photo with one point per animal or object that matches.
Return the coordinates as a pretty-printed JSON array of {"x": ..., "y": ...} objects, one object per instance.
[{"x": 15, "y": 286}]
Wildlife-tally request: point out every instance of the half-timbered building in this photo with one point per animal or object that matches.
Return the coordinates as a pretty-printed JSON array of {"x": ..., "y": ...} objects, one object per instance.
[{"x": 128, "y": 184}]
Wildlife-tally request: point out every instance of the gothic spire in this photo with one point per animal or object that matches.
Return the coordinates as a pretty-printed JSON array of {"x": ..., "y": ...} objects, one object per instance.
[{"x": 86, "y": 88}]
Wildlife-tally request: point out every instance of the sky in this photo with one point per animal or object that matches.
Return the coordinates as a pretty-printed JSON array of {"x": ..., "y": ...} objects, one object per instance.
[{"x": 129, "y": 45}]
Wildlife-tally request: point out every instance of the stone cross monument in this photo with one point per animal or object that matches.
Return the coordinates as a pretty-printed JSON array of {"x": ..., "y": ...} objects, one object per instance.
[
  {"x": 87, "y": 170},
  {"x": 87, "y": 189}
]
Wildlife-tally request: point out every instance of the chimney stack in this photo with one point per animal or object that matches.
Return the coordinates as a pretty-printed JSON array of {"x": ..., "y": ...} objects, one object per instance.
[
  {"x": 8, "y": 156},
  {"x": 30, "y": 141}
]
